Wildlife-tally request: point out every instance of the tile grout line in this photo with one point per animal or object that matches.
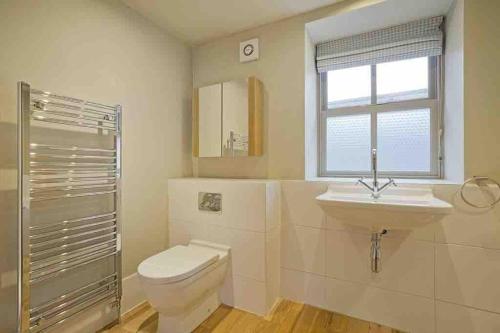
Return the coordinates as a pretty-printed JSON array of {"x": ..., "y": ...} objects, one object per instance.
[
  {"x": 178, "y": 221},
  {"x": 435, "y": 277},
  {"x": 435, "y": 299},
  {"x": 360, "y": 283},
  {"x": 469, "y": 307}
]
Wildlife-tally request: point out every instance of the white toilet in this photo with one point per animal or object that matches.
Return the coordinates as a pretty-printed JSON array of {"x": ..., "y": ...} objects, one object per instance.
[{"x": 183, "y": 283}]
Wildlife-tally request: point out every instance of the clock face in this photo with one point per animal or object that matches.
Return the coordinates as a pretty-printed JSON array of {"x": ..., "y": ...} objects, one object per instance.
[{"x": 248, "y": 49}]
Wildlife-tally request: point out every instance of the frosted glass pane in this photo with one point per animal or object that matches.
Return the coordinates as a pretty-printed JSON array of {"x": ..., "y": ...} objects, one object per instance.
[
  {"x": 349, "y": 87},
  {"x": 403, "y": 140},
  {"x": 402, "y": 80},
  {"x": 348, "y": 143}
]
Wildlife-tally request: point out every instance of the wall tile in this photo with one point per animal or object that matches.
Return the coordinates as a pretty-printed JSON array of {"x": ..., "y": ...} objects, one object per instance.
[
  {"x": 273, "y": 205},
  {"x": 182, "y": 200},
  {"x": 245, "y": 293},
  {"x": 401, "y": 311},
  {"x": 467, "y": 225},
  {"x": 425, "y": 233},
  {"x": 299, "y": 206},
  {"x": 252, "y": 280},
  {"x": 452, "y": 318},
  {"x": 313, "y": 246},
  {"x": 243, "y": 204},
  {"x": 247, "y": 250},
  {"x": 407, "y": 264},
  {"x": 469, "y": 276},
  {"x": 303, "y": 287},
  {"x": 273, "y": 263},
  {"x": 303, "y": 249},
  {"x": 180, "y": 232}
]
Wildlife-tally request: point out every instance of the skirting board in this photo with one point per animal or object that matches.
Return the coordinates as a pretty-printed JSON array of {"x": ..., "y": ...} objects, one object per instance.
[{"x": 133, "y": 295}]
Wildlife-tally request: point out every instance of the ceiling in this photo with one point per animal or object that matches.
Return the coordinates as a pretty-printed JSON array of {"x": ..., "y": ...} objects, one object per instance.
[
  {"x": 377, "y": 16},
  {"x": 197, "y": 21}
]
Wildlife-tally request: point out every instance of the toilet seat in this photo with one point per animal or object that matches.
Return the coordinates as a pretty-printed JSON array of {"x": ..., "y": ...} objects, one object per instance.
[{"x": 177, "y": 263}]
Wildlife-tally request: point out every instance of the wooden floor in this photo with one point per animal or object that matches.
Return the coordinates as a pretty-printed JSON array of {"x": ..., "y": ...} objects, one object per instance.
[{"x": 288, "y": 317}]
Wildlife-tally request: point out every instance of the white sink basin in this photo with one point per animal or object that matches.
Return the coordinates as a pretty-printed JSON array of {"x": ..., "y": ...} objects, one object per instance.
[{"x": 397, "y": 208}]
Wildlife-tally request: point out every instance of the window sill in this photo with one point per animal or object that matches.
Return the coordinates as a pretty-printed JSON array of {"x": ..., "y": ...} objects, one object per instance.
[{"x": 417, "y": 181}]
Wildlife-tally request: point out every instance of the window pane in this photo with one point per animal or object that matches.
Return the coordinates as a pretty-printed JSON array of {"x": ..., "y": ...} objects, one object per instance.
[
  {"x": 403, "y": 140},
  {"x": 349, "y": 87},
  {"x": 348, "y": 143},
  {"x": 402, "y": 80}
]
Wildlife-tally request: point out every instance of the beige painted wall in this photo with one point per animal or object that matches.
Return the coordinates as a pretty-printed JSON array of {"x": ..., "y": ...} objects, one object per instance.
[
  {"x": 482, "y": 87},
  {"x": 281, "y": 68},
  {"x": 103, "y": 51},
  {"x": 453, "y": 115}
]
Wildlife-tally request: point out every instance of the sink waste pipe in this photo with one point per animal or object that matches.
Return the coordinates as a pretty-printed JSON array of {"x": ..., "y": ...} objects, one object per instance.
[{"x": 376, "y": 252}]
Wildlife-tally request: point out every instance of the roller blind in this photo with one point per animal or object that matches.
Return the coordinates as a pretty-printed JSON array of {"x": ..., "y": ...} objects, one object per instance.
[{"x": 422, "y": 38}]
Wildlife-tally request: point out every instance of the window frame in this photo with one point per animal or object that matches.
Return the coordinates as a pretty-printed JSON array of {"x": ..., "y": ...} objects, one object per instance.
[{"x": 433, "y": 103}]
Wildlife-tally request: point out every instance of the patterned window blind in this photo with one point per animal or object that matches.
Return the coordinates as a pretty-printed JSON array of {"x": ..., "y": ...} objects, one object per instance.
[{"x": 422, "y": 38}]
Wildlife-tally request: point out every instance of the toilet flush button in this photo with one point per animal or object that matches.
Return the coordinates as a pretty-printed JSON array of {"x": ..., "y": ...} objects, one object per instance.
[{"x": 210, "y": 202}]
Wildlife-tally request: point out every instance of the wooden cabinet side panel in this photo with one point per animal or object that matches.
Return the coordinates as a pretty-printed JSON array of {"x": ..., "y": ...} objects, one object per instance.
[
  {"x": 255, "y": 117},
  {"x": 196, "y": 123}
]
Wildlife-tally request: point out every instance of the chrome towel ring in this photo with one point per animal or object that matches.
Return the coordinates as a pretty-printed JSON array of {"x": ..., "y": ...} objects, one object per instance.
[{"x": 477, "y": 180}]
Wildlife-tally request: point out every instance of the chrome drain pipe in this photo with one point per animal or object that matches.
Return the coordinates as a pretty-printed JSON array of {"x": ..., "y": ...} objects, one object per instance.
[{"x": 376, "y": 252}]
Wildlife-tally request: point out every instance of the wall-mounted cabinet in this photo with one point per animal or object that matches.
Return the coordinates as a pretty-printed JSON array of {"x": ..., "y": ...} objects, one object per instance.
[{"x": 227, "y": 119}]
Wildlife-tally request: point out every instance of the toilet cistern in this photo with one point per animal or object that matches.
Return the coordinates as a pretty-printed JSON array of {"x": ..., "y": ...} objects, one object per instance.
[{"x": 375, "y": 188}]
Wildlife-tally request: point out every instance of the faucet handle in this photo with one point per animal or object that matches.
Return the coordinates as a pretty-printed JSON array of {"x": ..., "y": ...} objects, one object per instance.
[{"x": 374, "y": 159}]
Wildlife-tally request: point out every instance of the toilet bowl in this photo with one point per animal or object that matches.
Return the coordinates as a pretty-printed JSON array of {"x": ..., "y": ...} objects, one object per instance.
[{"x": 183, "y": 283}]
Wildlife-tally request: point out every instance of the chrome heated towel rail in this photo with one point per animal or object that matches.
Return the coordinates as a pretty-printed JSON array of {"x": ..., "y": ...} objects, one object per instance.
[{"x": 64, "y": 233}]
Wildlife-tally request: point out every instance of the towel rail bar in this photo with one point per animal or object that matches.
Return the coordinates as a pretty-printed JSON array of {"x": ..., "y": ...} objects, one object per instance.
[
  {"x": 67, "y": 188},
  {"x": 61, "y": 171},
  {"x": 51, "y": 312},
  {"x": 71, "y": 99},
  {"x": 78, "y": 251},
  {"x": 63, "y": 247},
  {"x": 70, "y": 229},
  {"x": 73, "y": 115},
  {"x": 69, "y": 148},
  {"x": 72, "y": 157},
  {"x": 78, "y": 195},
  {"x": 82, "y": 107},
  {"x": 65, "y": 222},
  {"x": 48, "y": 275},
  {"x": 50, "y": 266},
  {"x": 62, "y": 297},
  {"x": 72, "y": 123},
  {"x": 69, "y": 237},
  {"x": 64, "y": 316}
]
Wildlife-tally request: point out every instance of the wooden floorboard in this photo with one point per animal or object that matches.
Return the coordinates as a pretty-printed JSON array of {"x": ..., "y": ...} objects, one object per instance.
[{"x": 287, "y": 317}]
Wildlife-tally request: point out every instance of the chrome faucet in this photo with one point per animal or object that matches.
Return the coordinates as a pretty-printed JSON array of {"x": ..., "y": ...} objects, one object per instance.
[{"x": 375, "y": 188}]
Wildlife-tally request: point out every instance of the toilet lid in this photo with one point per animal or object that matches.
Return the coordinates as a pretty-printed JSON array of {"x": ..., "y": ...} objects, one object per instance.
[{"x": 177, "y": 263}]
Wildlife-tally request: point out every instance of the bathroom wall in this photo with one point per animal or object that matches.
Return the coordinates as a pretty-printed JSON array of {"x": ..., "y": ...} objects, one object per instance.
[
  {"x": 249, "y": 223},
  {"x": 103, "y": 51},
  {"x": 441, "y": 278},
  {"x": 481, "y": 86},
  {"x": 453, "y": 115},
  {"x": 281, "y": 69}
]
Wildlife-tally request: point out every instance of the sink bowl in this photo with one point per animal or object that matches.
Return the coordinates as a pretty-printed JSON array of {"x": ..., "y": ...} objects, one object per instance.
[{"x": 398, "y": 208}]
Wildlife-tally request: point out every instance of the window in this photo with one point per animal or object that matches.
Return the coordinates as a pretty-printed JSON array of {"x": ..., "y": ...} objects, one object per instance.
[{"x": 393, "y": 107}]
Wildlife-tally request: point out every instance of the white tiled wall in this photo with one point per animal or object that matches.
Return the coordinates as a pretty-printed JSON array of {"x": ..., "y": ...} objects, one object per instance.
[
  {"x": 249, "y": 223},
  {"x": 442, "y": 278}
]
